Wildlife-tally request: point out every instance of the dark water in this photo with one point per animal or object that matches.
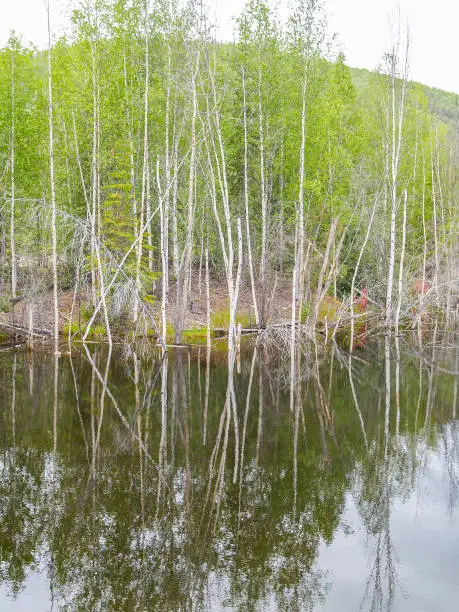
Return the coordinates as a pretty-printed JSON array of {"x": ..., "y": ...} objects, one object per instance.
[{"x": 147, "y": 494}]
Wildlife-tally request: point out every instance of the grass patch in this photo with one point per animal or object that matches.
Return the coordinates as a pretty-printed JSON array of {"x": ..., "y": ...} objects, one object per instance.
[
  {"x": 197, "y": 335},
  {"x": 220, "y": 319},
  {"x": 97, "y": 331},
  {"x": 5, "y": 304},
  {"x": 329, "y": 307},
  {"x": 305, "y": 312}
]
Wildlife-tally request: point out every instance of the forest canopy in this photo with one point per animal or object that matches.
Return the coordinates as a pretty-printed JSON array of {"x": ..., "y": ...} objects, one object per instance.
[{"x": 137, "y": 149}]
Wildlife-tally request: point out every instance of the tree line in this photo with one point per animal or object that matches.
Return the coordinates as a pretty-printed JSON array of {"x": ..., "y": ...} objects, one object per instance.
[{"x": 137, "y": 149}]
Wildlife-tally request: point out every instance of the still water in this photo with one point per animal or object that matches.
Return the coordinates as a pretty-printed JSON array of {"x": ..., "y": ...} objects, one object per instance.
[{"x": 131, "y": 482}]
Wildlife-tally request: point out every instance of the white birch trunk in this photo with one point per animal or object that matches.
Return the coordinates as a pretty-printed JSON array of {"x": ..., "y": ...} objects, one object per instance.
[
  {"x": 300, "y": 217},
  {"x": 396, "y": 138},
  {"x": 208, "y": 336},
  {"x": 264, "y": 207},
  {"x": 145, "y": 169},
  {"x": 402, "y": 261},
  {"x": 13, "y": 185},
  {"x": 246, "y": 202},
  {"x": 162, "y": 248},
  {"x": 356, "y": 271},
  {"x": 183, "y": 277},
  {"x": 53, "y": 193}
]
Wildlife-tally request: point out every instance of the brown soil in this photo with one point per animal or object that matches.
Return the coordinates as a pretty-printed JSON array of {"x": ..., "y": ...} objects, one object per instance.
[
  {"x": 43, "y": 312},
  {"x": 278, "y": 303}
]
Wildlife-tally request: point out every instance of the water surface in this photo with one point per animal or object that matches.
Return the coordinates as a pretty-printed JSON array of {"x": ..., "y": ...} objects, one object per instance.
[{"x": 131, "y": 482}]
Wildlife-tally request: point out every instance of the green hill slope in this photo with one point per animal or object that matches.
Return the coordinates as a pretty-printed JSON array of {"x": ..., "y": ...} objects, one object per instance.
[{"x": 445, "y": 104}]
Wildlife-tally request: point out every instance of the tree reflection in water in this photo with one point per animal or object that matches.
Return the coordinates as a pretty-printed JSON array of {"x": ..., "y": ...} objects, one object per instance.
[{"x": 140, "y": 481}]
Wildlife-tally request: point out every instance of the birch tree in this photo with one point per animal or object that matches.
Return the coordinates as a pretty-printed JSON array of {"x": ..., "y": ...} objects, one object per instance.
[
  {"x": 395, "y": 110},
  {"x": 53, "y": 191}
]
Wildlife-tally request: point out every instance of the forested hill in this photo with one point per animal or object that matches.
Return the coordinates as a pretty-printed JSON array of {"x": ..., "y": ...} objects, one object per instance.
[
  {"x": 444, "y": 104},
  {"x": 137, "y": 152}
]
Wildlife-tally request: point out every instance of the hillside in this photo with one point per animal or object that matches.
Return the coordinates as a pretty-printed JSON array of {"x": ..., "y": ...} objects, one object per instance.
[{"x": 444, "y": 104}]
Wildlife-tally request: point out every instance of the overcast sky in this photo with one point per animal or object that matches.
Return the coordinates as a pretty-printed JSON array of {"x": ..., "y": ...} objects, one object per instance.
[{"x": 363, "y": 28}]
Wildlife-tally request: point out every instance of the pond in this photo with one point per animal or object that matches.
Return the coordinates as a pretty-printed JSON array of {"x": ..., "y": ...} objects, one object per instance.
[{"x": 135, "y": 482}]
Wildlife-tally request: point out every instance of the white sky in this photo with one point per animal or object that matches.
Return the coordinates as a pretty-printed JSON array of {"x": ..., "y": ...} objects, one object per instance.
[{"x": 363, "y": 28}]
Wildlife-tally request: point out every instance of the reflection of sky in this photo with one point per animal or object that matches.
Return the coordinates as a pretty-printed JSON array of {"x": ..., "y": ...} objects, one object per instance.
[
  {"x": 424, "y": 531},
  {"x": 34, "y": 596},
  {"x": 425, "y": 539}
]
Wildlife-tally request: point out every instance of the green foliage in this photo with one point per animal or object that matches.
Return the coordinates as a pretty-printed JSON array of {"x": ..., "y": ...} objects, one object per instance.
[
  {"x": 5, "y": 304},
  {"x": 305, "y": 311},
  {"x": 197, "y": 335},
  {"x": 118, "y": 221},
  {"x": 97, "y": 332},
  {"x": 104, "y": 166},
  {"x": 220, "y": 319}
]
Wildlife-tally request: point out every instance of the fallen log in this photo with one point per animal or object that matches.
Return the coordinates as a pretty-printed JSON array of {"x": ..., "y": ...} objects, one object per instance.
[
  {"x": 12, "y": 347},
  {"x": 18, "y": 330},
  {"x": 244, "y": 330}
]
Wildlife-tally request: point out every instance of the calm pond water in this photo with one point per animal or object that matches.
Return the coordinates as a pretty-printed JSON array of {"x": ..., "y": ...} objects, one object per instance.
[{"x": 176, "y": 486}]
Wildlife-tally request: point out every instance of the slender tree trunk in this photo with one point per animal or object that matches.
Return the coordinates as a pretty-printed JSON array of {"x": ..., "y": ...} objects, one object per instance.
[
  {"x": 246, "y": 202},
  {"x": 424, "y": 251},
  {"x": 397, "y": 116},
  {"x": 148, "y": 212},
  {"x": 320, "y": 288},
  {"x": 435, "y": 221},
  {"x": 137, "y": 226},
  {"x": 145, "y": 168},
  {"x": 162, "y": 248},
  {"x": 94, "y": 181},
  {"x": 167, "y": 164},
  {"x": 402, "y": 261},
  {"x": 281, "y": 212},
  {"x": 293, "y": 338},
  {"x": 95, "y": 210},
  {"x": 208, "y": 336},
  {"x": 13, "y": 185},
  {"x": 53, "y": 194},
  {"x": 227, "y": 246},
  {"x": 264, "y": 207},
  {"x": 356, "y": 271},
  {"x": 175, "y": 244},
  {"x": 300, "y": 217},
  {"x": 185, "y": 262},
  {"x": 30, "y": 317}
]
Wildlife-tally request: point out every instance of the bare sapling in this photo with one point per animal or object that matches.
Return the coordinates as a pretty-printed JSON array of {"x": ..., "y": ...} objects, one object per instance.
[
  {"x": 401, "y": 267},
  {"x": 320, "y": 285},
  {"x": 356, "y": 272},
  {"x": 246, "y": 203},
  {"x": 13, "y": 183},
  {"x": 145, "y": 167},
  {"x": 163, "y": 254},
  {"x": 264, "y": 210},
  {"x": 435, "y": 197},
  {"x": 300, "y": 229},
  {"x": 397, "y": 111},
  {"x": 184, "y": 269},
  {"x": 208, "y": 333},
  {"x": 216, "y": 153},
  {"x": 53, "y": 193}
]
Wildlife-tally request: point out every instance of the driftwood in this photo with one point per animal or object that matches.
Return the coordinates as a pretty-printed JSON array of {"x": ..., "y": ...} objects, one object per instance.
[
  {"x": 244, "y": 330},
  {"x": 18, "y": 330},
  {"x": 12, "y": 347}
]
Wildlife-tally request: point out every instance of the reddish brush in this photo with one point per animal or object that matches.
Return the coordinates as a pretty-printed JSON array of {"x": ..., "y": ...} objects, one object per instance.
[
  {"x": 421, "y": 287},
  {"x": 361, "y": 304}
]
